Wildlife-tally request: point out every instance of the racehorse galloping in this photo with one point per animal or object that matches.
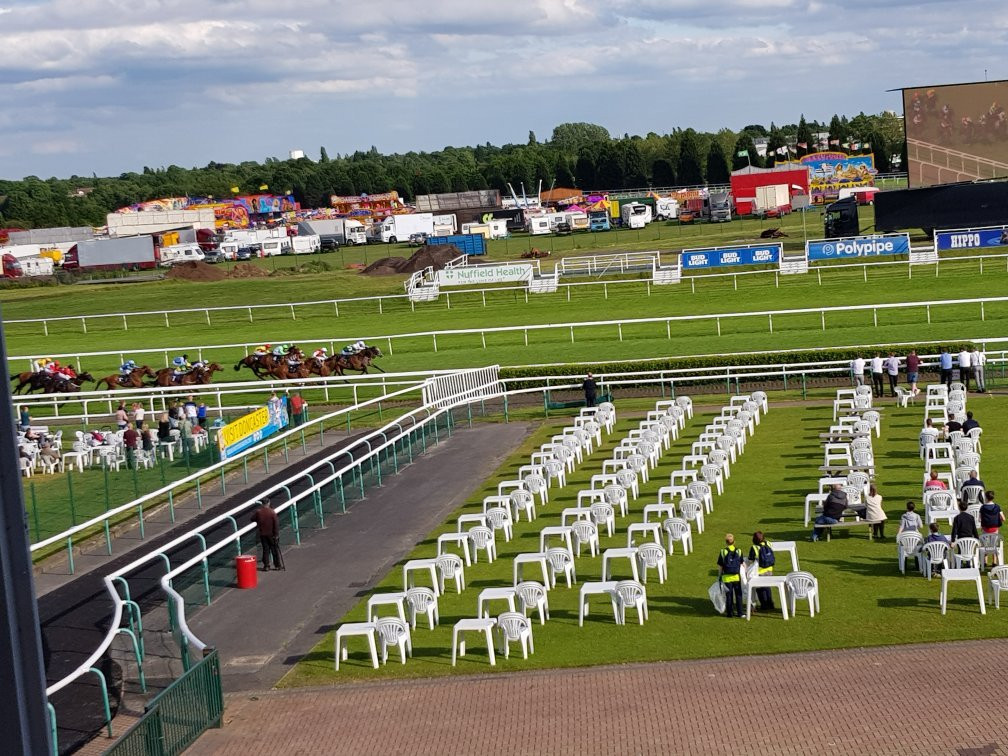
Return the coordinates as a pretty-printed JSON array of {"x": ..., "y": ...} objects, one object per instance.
[
  {"x": 132, "y": 380},
  {"x": 257, "y": 363},
  {"x": 56, "y": 385},
  {"x": 47, "y": 382},
  {"x": 359, "y": 361},
  {"x": 204, "y": 375},
  {"x": 30, "y": 378}
]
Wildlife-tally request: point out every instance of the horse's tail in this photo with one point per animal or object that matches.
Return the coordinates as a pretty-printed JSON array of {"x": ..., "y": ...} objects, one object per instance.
[{"x": 16, "y": 377}]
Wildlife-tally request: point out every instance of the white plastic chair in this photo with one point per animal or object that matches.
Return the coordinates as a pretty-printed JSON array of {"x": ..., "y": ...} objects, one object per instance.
[
  {"x": 998, "y": 579},
  {"x": 803, "y": 585},
  {"x": 629, "y": 593},
  {"x": 585, "y": 532},
  {"x": 393, "y": 631},
  {"x": 934, "y": 554},
  {"x": 720, "y": 458},
  {"x": 602, "y": 514},
  {"x": 449, "y": 567},
  {"x": 628, "y": 479},
  {"x": 908, "y": 546},
  {"x": 991, "y": 545},
  {"x": 678, "y": 531},
  {"x": 974, "y": 433},
  {"x": 616, "y": 496},
  {"x": 422, "y": 601},
  {"x": 537, "y": 485},
  {"x": 560, "y": 560},
  {"x": 702, "y": 491},
  {"x": 532, "y": 595},
  {"x": 523, "y": 501},
  {"x": 686, "y": 405},
  {"x": 692, "y": 511},
  {"x": 499, "y": 518},
  {"x": 652, "y": 555},
  {"x": 965, "y": 552},
  {"x": 972, "y": 494},
  {"x": 512, "y": 627},
  {"x": 482, "y": 537}
]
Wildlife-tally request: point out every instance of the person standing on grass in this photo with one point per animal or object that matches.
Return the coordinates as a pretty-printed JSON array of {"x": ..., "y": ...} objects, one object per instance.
[
  {"x": 730, "y": 566},
  {"x": 24, "y": 418},
  {"x": 874, "y": 513},
  {"x": 132, "y": 441},
  {"x": 268, "y": 525},
  {"x": 297, "y": 405},
  {"x": 201, "y": 417},
  {"x": 122, "y": 418},
  {"x": 877, "y": 372},
  {"x": 965, "y": 367},
  {"x": 892, "y": 365},
  {"x": 979, "y": 359},
  {"x": 913, "y": 370},
  {"x": 590, "y": 390},
  {"x": 761, "y": 553},
  {"x": 945, "y": 365},
  {"x": 857, "y": 369}
]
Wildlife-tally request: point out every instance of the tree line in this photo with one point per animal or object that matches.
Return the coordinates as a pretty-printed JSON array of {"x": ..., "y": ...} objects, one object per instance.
[{"x": 581, "y": 155}]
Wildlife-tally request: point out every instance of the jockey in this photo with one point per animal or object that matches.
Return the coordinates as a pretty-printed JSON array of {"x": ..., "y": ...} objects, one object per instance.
[
  {"x": 127, "y": 367},
  {"x": 280, "y": 350},
  {"x": 67, "y": 373},
  {"x": 52, "y": 367},
  {"x": 262, "y": 351},
  {"x": 198, "y": 365},
  {"x": 355, "y": 348},
  {"x": 180, "y": 366},
  {"x": 320, "y": 355},
  {"x": 40, "y": 364}
]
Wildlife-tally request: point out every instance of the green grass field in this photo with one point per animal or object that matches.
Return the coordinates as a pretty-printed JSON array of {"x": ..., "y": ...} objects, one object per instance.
[{"x": 865, "y": 600}]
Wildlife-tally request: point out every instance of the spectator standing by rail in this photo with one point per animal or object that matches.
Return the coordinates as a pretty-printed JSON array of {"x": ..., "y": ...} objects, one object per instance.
[
  {"x": 913, "y": 371},
  {"x": 268, "y": 526},
  {"x": 978, "y": 359},
  {"x": 965, "y": 367},
  {"x": 945, "y": 365},
  {"x": 590, "y": 390},
  {"x": 877, "y": 371}
]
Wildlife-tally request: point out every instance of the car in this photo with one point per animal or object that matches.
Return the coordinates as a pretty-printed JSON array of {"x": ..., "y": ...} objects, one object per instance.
[
  {"x": 214, "y": 256},
  {"x": 247, "y": 253},
  {"x": 562, "y": 228},
  {"x": 329, "y": 243},
  {"x": 418, "y": 239}
]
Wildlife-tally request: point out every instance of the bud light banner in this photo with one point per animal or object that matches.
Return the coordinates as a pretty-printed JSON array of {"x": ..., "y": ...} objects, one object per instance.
[
  {"x": 858, "y": 246},
  {"x": 715, "y": 257},
  {"x": 971, "y": 238}
]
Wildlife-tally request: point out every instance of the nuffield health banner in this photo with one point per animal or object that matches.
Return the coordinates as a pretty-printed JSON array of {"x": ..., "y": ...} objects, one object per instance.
[
  {"x": 858, "y": 246},
  {"x": 716, "y": 257},
  {"x": 484, "y": 274},
  {"x": 971, "y": 238}
]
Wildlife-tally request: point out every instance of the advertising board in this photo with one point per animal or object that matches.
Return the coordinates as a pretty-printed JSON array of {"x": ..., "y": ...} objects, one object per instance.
[
  {"x": 250, "y": 429},
  {"x": 971, "y": 238},
  {"x": 716, "y": 257},
  {"x": 858, "y": 246},
  {"x": 484, "y": 274}
]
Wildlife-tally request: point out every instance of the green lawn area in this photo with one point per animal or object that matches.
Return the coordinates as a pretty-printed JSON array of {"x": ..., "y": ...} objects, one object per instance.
[{"x": 865, "y": 600}]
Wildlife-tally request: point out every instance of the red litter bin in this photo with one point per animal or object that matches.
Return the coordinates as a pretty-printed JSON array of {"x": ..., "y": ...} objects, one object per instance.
[{"x": 245, "y": 567}]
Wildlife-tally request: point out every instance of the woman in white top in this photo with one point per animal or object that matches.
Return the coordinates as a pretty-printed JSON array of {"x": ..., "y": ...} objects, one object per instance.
[{"x": 875, "y": 513}]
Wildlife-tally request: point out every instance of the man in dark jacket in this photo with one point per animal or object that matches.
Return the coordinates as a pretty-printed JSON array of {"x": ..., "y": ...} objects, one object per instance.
[
  {"x": 963, "y": 524},
  {"x": 268, "y": 524},
  {"x": 590, "y": 390},
  {"x": 833, "y": 508}
]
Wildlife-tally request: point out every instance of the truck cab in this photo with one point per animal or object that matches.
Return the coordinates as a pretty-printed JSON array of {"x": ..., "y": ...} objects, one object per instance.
[
  {"x": 841, "y": 219},
  {"x": 598, "y": 220},
  {"x": 720, "y": 207}
]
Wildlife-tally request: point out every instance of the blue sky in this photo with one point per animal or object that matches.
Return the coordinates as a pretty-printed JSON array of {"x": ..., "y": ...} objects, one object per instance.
[{"x": 113, "y": 85}]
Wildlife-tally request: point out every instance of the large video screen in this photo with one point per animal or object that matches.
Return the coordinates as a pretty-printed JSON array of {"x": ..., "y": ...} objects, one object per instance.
[{"x": 956, "y": 132}]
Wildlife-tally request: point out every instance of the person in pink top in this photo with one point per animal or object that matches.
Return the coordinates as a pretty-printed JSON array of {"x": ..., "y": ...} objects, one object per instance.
[{"x": 934, "y": 483}]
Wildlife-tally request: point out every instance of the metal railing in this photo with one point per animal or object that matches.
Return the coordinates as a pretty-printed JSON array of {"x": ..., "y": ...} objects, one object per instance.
[
  {"x": 178, "y": 715},
  {"x": 123, "y": 605}
]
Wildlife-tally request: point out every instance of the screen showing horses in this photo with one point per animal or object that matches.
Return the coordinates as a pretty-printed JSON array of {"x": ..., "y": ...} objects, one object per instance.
[{"x": 956, "y": 132}]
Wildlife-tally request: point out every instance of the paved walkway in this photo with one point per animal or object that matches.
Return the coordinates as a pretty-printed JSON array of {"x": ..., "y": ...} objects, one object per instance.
[{"x": 856, "y": 701}]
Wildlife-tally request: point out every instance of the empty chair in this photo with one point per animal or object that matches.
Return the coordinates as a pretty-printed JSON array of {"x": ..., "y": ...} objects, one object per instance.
[
  {"x": 678, "y": 531},
  {"x": 720, "y": 458},
  {"x": 422, "y": 601},
  {"x": 686, "y": 405},
  {"x": 974, "y": 433},
  {"x": 536, "y": 484},
  {"x": 970, "y": 460},
  {"x": 802, "y": 585},
  {"x": 532, "y": 595},
  {"x": 712, "y": 476},
  {"x": 482, "y": 537},
  {"x": 937, "y": 504},
  {"x": 908, "y": 546},
  {"x": 998, "y": 578},
  {"x": 629, "y": 593},
  {"x": 555, "y": 470},
  {"x": 560, "y": 560},
  {"x": 628, "y": 479},
  {"x": 449, "y": 567},
  {"x": 652, "y": 555},
  {"x": 499, "y": 518},
  {"x": 933, "y": 554},
  {"x": 393, "y": 631},
  {"x": 616, "y": 496},
  {"x": 514, "y": 627},
  {"x": 585, "y": 532},
  {"x": 965, "y": 552},
  {"x": 692, "y": 511},
  {"x": 523, "y": 501},
  {"x": 701, "y": 490},
  {"x": 603, "y": 514},
  {"x": 875, "y": 418}
]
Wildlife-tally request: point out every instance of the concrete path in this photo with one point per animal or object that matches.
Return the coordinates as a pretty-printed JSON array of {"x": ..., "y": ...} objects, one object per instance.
[{"x": 860, "y": 701}]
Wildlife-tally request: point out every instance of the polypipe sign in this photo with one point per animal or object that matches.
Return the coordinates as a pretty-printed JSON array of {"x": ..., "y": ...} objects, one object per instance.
[{"x": 858, "y": 246}]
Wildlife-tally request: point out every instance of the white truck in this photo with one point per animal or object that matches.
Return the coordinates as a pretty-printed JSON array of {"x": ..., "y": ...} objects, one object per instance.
[
  {"x": 334, "y": 232},
  {"x": 635, "y": 215},
  {"x": 396, "y": 228},
  {"x": 772, "y": 197},
  {"x": 667, "y": 208},
  {"x": 445, "y": 225}
]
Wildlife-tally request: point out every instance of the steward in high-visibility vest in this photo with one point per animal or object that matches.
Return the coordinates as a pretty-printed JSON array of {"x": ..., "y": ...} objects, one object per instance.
[
  {"x": 730, "y": 565},
  {"x": 763, "y": 555}
]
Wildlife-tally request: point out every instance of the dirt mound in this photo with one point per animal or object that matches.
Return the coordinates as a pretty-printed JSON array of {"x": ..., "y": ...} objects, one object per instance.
[
  {"x": 248, "y": 270},
  {"x": 196, "y": 271},
  {"x": 434, "y": 256}
]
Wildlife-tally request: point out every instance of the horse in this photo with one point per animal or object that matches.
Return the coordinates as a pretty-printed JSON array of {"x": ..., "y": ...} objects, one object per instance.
[
  {"x": 134, "y": 379},
  {"x": 30, "y": 378},
  {"x": 257, "y": 363},
  {"x": 283, "y": 371},
  {"x": 359, "y": 361},
  {"x": 58, "y": 385},
  {"x": 204, "y": 375},
  {"x": 324, "y": 368}
]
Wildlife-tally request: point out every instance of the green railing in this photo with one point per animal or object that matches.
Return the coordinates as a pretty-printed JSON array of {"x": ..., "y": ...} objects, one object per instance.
[{"x": 178, "y": 715}]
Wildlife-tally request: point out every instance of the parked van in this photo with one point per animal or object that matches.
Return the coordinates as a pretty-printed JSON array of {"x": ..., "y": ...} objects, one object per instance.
[{"x": 180, "y": 253}]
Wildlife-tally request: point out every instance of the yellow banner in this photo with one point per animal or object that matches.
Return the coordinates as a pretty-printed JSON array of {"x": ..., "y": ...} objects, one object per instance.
[{"x": 244, "y": 426}]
